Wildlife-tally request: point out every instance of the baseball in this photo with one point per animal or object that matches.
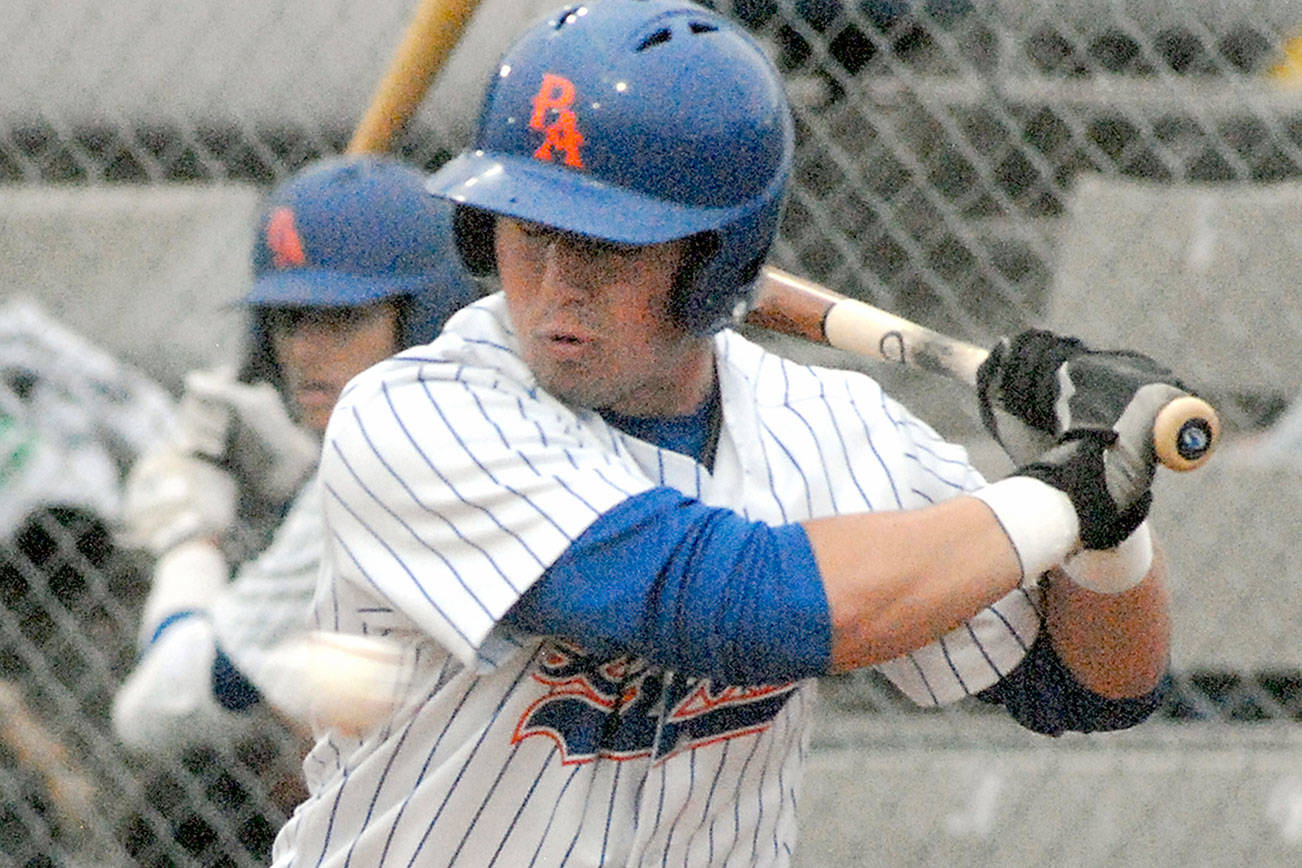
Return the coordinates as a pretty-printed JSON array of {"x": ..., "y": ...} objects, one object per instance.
[{"x": 333, "y": 680}]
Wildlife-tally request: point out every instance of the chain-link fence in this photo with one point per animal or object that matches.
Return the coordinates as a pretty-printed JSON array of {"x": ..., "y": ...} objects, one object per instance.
[{"x": 1124, "y": 169}]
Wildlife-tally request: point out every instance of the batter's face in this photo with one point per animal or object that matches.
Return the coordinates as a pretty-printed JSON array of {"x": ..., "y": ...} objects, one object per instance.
[
  {"x": 320, "y": 349},
  {"x": 593, "y": 321}
]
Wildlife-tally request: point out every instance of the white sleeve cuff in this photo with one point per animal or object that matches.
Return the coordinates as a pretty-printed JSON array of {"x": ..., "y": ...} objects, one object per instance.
[
  {"x": 1039, "y": 519},
  {"x": 1111, "y": 571}
]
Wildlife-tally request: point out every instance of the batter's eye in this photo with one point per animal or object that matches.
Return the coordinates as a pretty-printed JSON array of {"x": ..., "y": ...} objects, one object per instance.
[{"x": 595, "y": 247}]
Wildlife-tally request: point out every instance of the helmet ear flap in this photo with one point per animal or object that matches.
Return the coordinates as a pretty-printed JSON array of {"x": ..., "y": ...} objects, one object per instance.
[
  {"x": 474, "y": 230},
  {"x": 691, "y": 303}
]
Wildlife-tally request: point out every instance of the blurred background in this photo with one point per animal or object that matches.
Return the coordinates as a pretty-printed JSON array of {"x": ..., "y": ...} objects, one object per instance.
[{"x": 1126, "y": 170}]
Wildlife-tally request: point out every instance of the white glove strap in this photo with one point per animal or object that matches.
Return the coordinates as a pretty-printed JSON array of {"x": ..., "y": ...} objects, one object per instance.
[
  {"x": 1111, "y": 571},
  {"x": 188, "y": 577},
  {"x": 1039, "y": 520}
]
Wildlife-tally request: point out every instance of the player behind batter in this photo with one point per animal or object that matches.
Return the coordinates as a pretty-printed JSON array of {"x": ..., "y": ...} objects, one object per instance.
[
  {"x": 352, "y": 262},
  {"x": 620, "y": 541}
]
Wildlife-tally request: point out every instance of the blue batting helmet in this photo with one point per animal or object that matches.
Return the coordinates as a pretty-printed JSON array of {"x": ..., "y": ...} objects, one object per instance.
[
  {"x": 352, "y": 230},
  {"x": 637, "y": 122}
]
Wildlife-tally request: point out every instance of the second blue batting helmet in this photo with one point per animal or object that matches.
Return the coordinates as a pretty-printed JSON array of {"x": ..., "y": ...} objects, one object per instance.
[
  {"x": 349, "y": 231},
  {"x": 637, "y": 122}
]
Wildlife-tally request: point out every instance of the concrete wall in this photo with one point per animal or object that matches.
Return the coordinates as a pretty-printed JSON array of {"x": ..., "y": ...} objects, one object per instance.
[
  {"x": 151, "y": 274},
  {"x": 1206, "y": 279}
]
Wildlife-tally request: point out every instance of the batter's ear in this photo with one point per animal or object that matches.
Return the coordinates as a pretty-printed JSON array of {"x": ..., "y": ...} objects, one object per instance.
[{"x": 473, "y": 230}]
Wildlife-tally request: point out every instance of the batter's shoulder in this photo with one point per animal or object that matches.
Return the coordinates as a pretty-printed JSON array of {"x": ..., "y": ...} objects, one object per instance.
[{"x": 775, "y": 378}]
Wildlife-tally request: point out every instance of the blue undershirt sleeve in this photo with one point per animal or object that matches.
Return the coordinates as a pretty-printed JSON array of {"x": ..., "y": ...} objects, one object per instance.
[
  {"x": 230, "y": 687},
  {"x": 691, "y": 587}
]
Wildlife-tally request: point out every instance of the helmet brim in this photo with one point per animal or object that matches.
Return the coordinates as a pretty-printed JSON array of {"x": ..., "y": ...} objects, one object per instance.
[
  {"x": 566, "y": 199},
  {"x": 314, "y": 287}
]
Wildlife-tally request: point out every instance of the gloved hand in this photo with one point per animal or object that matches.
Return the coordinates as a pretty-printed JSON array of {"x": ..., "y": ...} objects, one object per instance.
[
  {"x": 170, "y": 497},
  {"x": 248, "y": 427},
  {"x": 1108, "y": 507},
  {"x": 1039, "y": 386}
]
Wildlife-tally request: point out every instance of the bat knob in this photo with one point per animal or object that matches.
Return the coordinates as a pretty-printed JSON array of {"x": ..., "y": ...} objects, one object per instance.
[{"x": 1185, "y": 432}]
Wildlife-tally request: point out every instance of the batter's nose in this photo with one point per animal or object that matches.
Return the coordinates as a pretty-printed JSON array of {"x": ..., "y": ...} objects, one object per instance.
[{"x": 569, "y": 266}]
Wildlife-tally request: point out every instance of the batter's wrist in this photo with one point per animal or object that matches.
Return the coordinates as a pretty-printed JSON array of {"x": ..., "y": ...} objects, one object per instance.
[
  {"x": 1111, "y": 571},
  {"x": 1039, "y": 519}
]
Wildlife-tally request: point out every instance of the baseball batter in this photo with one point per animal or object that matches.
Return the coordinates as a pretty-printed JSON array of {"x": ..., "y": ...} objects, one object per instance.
[
  {"x": 619, "y": 541},
  {"x": 351, "y": 262}
]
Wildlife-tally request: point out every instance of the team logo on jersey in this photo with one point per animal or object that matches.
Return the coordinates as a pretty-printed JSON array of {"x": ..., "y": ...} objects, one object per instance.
[
  {"x": 282, "y": 237},
  {"x": 554, "y": 117},
  {"x": 625, "y": 708}
]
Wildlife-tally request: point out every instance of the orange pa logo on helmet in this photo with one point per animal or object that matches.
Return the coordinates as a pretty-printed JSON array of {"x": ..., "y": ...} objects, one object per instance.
[
  {"x": 282, "y": 238},
  {"x": 553, "y": 115}
]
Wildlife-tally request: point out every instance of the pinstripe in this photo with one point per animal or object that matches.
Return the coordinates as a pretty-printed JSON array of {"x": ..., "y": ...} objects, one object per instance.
[
  {"x": 433, "y": 822},
  {"x": 804, "y": 478},
  {"x": 736, "y": 800},
  {"x": 772, "y": 482},
  {"x": 374, "y": 583},
  {"x": 660, "y": 802},
  {"x": 397, "y": 752},
  {"x": 402, "y": 739},
  {"x": 551, "y": 820},
  {"x": 872, "y": 445},
  {"x": 1025, "y": 643},
  {"x": 759, "y": 806},
  {"x": 949, "y": 661},
  {"x": 375, "y": 795},
  {"x": 977, "y": 644},
  {"x": 470, "y": 827},
  {"x": 848, "y": 464},
  {"x": 524, "y": 802},
  {"x": 682, "y": 808},
  {"x": 482, "y": 469},
  {"x": 610, "y": 813},
  {"x": 708, "y": 826},
  {"x": 406, "y": 487},
  {"x": 922, "y": 674},
  {"x": 573, "y": 841}
]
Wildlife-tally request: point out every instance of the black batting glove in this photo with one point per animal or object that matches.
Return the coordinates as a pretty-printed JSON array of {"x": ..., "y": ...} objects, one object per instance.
[
  {"x": 1038, "y": 386},
  {"x": 1017, "y": 389},
  {"x": 1108, "y": 507}
]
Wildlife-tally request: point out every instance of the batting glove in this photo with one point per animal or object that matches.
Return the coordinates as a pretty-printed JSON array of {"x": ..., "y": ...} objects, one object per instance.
[
  {"x": 170, "y": 497},
  {"x": 1039, "y": 386},
  {"x": 1109, "y": 506},
  {"x": 247, "y": 426}
]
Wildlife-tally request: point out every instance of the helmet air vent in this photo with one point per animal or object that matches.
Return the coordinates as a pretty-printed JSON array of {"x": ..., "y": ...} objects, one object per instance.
[
  {"x": 659, "y": 37},
  {"x": 663, "y": 35}
]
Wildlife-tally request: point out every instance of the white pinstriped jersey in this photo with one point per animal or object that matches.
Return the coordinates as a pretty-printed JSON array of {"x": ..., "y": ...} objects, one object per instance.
[{"x": 451, "y": 482}]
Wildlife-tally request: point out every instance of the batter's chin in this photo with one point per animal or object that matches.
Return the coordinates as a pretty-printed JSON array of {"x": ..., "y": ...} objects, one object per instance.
[
  {"x": 314, "y": 406},
  {"x": 578, "y": 391}
]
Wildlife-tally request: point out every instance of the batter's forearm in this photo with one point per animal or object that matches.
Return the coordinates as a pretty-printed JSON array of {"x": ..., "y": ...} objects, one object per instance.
[
  {"x": 1117, "y": 645},
  {"x": 896, "y": 581}
]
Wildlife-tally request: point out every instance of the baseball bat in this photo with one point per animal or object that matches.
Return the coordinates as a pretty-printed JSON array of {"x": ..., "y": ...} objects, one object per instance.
[
  {"x": 432, "y": 33},
  {"x": 1185, "y": 431}
]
